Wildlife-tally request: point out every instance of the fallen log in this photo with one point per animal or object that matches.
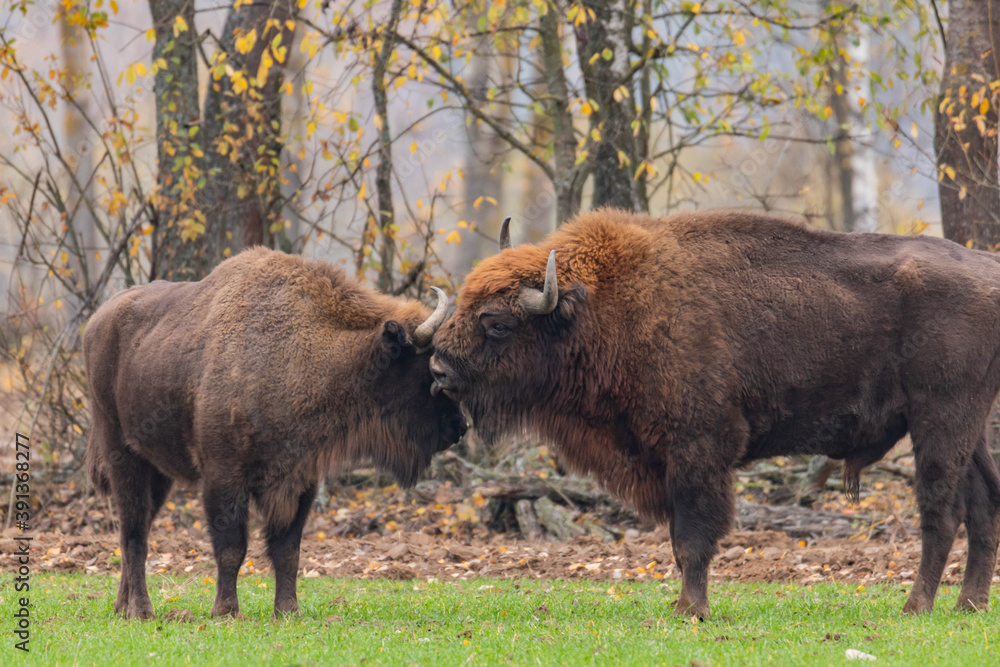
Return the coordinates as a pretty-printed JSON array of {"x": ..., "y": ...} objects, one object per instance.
[
  {"x": 527, "y": 520},
  {"x": 557, "y": 520}
]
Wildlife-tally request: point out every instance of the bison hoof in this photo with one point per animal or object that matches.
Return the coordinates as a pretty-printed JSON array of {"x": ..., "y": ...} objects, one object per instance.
[
  {"x": 141, "y": 611},
  {"x": 967, "y": 604},
  {"x": 226, "y": 609},
  {"x": 685, "y": 609},
  {"x": 285, "y": 612},
  {"x": 917, "y": 606}
]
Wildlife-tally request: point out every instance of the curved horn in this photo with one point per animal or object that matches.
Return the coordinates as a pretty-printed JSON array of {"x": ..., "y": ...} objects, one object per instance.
[
  {"x": 543, "y": 302},
  {"x": 505, "y": 234},
  {"x": 422, "y": 335}
]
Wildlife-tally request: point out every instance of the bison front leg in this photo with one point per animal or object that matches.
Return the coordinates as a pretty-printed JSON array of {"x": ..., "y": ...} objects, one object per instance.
[
  {"x": 702, "y": 515},
  {"x": 283, "y": 550},
  {"x": 227, "y": 510}
]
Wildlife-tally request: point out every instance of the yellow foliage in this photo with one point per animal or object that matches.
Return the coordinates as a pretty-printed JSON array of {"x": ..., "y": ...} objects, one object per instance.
[{"x": 180, "y": 25}]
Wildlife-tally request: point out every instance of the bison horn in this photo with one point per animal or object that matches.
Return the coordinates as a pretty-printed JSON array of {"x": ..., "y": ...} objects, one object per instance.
[
  {"x": 543, "y": 302},
  {"x": 422, "y": 335},
  {"x": 505, "y": 234}
]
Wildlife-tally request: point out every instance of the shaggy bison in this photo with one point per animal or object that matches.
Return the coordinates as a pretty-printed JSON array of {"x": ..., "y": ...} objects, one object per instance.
[
  {"x": 255, "y": 381},
  {"x": 660, "y": 354}
]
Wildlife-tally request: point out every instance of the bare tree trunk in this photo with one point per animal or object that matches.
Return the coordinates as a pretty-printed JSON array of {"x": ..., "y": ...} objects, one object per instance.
[
  {"x": 568, "y": 179},
  {"x": 965, "y": 137},
  {"x": 383, "y": 173},
  {"x": 176, "y": 255},
  {"x": 604, "y": 58},
  {"x": 242, "y": 130}
]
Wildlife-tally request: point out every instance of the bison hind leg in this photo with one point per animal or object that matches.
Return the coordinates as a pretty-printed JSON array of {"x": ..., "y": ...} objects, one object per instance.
[
  {"x": 131, "y": 481},
  {"x": 284, "y": 538},
  {"x": 981, "y": 513},
  {"x": 943, "y": 447}
]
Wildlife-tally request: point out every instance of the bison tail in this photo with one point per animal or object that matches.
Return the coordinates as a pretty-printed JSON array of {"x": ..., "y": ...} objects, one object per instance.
[
  {"x": 96, "y": 468},
  {"x": 852, "y": 479}
]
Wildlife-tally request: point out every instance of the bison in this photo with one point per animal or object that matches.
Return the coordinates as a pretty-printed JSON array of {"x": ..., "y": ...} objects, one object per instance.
[
  {"x": 254, "y": 381},
  {"x": 661, "y": 353}
]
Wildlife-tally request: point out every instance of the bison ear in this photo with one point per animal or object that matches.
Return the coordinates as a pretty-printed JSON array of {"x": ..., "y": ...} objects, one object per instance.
[
  {"x": 570, "y": 303},
  {"x": 395, "y": 337}
]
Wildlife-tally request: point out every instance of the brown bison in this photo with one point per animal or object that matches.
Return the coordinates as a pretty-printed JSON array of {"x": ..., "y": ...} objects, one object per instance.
[
  {"x": 255, "y": 381},
  {"x": 660, "y": 354}
]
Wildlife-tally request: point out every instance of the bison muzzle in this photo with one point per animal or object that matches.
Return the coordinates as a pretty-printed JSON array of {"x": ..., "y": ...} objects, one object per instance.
[
  {"x": 660, "y": 354},
  {"x": 255, "y": 381}
]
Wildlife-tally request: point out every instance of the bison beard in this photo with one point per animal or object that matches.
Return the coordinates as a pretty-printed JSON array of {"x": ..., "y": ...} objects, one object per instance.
[
  {"x": 664, "y": 353},
  {"x": 255, "y": 381}
]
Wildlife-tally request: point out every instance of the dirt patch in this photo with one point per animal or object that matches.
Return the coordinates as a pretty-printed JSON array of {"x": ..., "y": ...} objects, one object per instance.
[{"x": 744, "y": 556}]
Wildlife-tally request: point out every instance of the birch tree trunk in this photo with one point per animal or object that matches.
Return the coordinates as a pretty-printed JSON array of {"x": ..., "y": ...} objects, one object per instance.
[
  {"x": 864, "y": 177},
  {"x": 82, "y": 235}
]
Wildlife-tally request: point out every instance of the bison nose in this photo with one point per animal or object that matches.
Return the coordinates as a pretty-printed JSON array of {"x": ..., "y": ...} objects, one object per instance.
[{"x": 444, "y": 378}]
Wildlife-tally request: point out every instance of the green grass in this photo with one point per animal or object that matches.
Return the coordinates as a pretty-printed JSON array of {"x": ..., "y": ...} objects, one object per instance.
[{"x": 489, "y": 621}]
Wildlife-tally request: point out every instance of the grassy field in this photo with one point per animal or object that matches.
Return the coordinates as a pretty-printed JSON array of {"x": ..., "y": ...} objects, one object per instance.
[{"x": 483, "y": 621}]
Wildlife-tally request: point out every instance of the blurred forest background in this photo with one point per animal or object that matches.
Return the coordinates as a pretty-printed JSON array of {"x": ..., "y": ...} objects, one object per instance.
[{"x": 154, "y": 138}]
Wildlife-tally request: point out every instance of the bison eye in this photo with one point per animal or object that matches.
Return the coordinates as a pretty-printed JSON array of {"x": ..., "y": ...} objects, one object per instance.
[
  {"x": 497, "y": 327},
  {"x": 498, "y": 330}
]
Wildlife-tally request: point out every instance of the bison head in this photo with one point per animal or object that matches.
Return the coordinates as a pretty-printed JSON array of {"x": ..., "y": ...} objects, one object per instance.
[
  {"x": 413, "y": 422},
  {"x": 504, "y": 352}
]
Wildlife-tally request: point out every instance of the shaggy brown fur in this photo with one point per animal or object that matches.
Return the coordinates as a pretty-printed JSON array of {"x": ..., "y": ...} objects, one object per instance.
[
  {"x": 255, "y": 381},
  {"x": 682, "y": 348}
]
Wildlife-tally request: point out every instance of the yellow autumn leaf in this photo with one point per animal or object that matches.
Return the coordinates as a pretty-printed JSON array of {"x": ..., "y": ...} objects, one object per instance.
[
  {"x": 586, "y": 109},
  {"x": 453, "y": 237},
  {"x": 914, "y": 130},
  {"x": 180, "y": 25},
  {"x": 151, "y": 35},
  {"x": 310, "y": 127},
  {"x": 239, "y": 82},
  {"x": 245, "y": 42}
]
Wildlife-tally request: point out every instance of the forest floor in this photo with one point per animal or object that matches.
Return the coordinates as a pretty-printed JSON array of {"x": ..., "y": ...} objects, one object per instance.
[{"x": 746, "y": 556}]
